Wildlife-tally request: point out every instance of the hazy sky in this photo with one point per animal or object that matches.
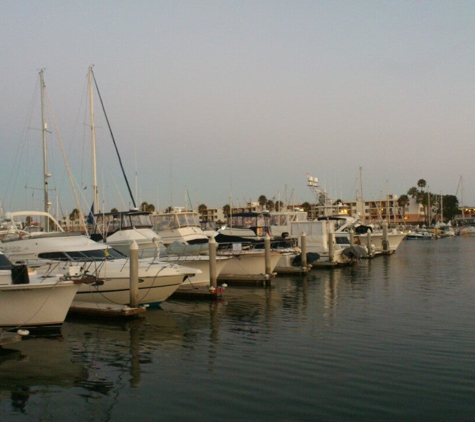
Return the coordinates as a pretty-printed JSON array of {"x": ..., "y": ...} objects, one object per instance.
[{"x": 239, "y": 98}]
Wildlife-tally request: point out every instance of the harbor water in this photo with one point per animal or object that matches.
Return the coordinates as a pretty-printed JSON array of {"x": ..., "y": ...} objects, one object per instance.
[{"x": 392, "y": 338}]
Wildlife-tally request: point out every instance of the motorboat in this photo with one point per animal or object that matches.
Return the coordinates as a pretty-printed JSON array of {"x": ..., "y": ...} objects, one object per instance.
[
  {"x": 321, "y": 240},
  {"x": 420, "y": 234},
  {"x": 180, "y": 226},
  {"x": 32, "y": 300},
  {"x": 56, "y": 250},
  {"x": 249, "y": 227},
  {"x": 119, "y": 229},
  {"x": 345, "y": 223}
]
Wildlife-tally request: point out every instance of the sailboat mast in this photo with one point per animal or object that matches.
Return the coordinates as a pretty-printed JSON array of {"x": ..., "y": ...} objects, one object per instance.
[
  {"x": 95, "y": 189},
  {"x": 44, "y": 130}
]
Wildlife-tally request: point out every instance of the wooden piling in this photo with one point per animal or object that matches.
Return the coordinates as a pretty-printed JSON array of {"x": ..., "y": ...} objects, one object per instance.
[
  {"x": 268, "y": 269},
  {"x": 134, "y": 274},
  {"x": 213, "y": 277},
  {"x": 303, "y": 249}
]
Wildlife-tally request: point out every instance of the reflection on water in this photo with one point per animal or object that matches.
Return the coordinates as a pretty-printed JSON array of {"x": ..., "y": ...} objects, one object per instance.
[{"x": 389, "y": 338}]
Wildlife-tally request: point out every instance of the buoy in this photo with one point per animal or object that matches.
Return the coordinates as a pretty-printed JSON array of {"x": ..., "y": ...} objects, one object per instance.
[{"x": 23, "y": 332}]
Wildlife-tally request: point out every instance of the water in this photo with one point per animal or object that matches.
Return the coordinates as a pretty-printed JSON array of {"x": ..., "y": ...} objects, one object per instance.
[{"x": 388, "y": 339}]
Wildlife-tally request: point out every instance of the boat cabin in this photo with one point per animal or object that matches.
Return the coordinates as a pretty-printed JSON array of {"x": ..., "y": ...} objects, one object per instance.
[{"x": 106, "y": 224}]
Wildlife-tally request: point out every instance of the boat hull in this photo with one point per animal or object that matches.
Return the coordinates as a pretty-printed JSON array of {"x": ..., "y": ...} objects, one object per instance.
[
  {"x": 36, "y": 305},
  {"x": 248, "y": 263}
]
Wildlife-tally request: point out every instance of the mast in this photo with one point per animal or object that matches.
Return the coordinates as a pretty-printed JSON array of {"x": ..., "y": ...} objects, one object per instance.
[
  {"x": 44, "y": 129},
  {"x": 95, "y": 189}
]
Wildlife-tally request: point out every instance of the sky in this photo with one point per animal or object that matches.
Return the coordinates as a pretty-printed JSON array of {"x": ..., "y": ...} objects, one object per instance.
[{"x": 218, "y": 102}]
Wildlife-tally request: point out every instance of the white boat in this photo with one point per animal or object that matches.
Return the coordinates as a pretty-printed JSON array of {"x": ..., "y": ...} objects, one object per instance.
[
  {"x": 344, "y": 223},
  {"x": 56, "y": 250},
  {"x": 250, "y": 227},
  {"x": 30, "y": 300},
  {"x": 467, "y": 231},
  {"x": 119, "y": 229},
  {"x": 247, "y": 263},
  {"x": 420, "y": 234},
  {"x": 181, "y": 226},
  {"x": 318, "y": 241}
]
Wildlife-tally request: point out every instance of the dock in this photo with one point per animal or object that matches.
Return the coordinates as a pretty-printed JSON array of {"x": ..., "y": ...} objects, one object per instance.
[
  {"x": 204, "y": 292},
  {"x": 111, "y": 310},
  {"x": 293, "y": 270},
  {"x": 248, "y": 279},
  {"x": 7, "y": 337}
]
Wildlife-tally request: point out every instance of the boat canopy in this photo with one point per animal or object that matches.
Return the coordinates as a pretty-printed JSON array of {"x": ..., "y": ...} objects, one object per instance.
[
  {"x": 249, "y": 219},
  {"x": 171, "y": 221},
  {"x": 122, "y": 220}
]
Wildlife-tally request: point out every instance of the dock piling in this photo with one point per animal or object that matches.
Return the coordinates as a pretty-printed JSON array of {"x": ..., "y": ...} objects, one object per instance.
[
  {"x": 134, "y": 274},
  {"x": 303, "y": 249}
]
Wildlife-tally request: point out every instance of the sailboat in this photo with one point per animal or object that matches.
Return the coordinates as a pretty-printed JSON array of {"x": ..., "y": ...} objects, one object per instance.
[{"x": 36, "y": 239}]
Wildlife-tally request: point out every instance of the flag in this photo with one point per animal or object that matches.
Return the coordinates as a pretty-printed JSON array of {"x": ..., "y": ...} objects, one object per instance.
[{"x": 90, "y": 217}]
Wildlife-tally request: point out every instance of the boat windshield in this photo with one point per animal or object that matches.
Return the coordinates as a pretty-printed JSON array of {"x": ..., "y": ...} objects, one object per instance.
[
  {"x": 249, "y": 220},
  {"x": 110, "y": 223},
  {"x": 5, "y": 263},
  {"x": 163, "y": 222},
  {"x": 174, "y": 221},
  {"x": 92, "y": 255}
]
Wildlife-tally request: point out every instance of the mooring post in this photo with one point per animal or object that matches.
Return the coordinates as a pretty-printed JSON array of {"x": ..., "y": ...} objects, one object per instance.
[
  {"x": 385, "y": 237},
  {"x": 368, "y": 239},
  {"x": 134, "y": 274},
  {"x": 267, "y": 254},
  {"x": 303, "y": 249},
  {"x": 331, "y": 248},
  {"x": 213, "y": 278},
  {"x": 352, "y": 237}
]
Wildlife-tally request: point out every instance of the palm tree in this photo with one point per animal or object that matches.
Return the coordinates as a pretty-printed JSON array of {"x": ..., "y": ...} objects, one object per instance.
[
  {"x": 202, "y": 210},
  {"x": 262, "y": 201},
  {"x": 421, "y": 183},
  {"x": 270, "y": 205},
  {"x": 74, "y": 214},
  {"x": 226, "y": 210},
  {"x": 306, "y": 207},
  {"x": 413, "y": 192},
  {"x": 279, "y": 205},
  {"x": 402, "y": 201},
  {"x": 114, "y": 210}
]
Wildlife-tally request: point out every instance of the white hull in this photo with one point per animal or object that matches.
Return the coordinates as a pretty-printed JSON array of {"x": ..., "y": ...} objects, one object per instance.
[
  {"x": 394, "y": 240},
  {"x": 248, "y": 263},
  {"x": 198, "y": 262},
  {"x": 36, "y": 305},
  {"x": 157, "y": 280}
]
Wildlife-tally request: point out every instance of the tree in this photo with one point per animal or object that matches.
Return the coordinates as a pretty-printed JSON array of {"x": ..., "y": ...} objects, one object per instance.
[
  {"x": 270, "y": 205},
  {"x": 421, "y": 184},
  {"x": 402, "y": 201},
  {"x": 226, "y": 210},
  {"x": 413, "y": 192},
  {"x": 146, "y": 207},
  {"x": 450, "y": 206},
  {"x": 306, "y": 207},
  {"x": 262, "y": 201},
  {"x": 114, "y": 210},
  {"x": 279, "y": 205},
  {"x": 202, "y": 210},
  {"x": 74, "y": 214}
]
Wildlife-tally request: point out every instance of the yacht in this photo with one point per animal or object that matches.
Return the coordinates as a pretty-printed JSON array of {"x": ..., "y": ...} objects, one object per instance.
[
  {"x": 120, "y": 229},
  {"x": 55, "y": 251},
  {"x": 30, "y": 300},
  {"x": 182, "y": 227}
]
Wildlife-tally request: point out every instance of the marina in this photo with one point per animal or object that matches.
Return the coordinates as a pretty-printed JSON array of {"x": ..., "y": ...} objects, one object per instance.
[{"x": 389, "y": 338}]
